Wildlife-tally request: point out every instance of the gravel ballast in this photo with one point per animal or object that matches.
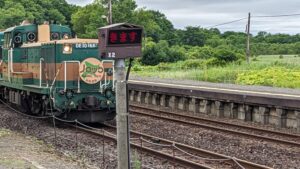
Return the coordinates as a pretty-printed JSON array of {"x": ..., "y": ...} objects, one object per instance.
[
  {"x": 89, "y": 153},
  {"x": 265, "y": 153}
]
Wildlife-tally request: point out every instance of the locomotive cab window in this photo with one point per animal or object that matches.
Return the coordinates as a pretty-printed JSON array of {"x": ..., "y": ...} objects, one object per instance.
[
  {"x": 17, "y": 40},
  {"x": 55, "y": 36},
  {"x": 7, "y": 40},
  {"x": 31, "y": 36}
]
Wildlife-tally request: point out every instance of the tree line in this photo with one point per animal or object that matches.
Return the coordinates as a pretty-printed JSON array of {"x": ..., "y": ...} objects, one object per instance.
[{"x": 163, "y": 43}]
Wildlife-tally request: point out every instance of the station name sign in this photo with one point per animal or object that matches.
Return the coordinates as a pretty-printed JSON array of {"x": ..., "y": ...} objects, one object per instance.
[{"x": 120, "y": 41}]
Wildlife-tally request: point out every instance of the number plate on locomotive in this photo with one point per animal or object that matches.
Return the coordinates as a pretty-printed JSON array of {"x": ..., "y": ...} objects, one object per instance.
[{"x": 86, "y": 45}]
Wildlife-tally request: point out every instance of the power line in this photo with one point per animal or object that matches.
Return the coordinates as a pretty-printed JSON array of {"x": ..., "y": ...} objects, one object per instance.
[
  {"x": 258, "y": 16},
  {"x": 274, "y": 16},
  {"x": 225, "y": 23}
]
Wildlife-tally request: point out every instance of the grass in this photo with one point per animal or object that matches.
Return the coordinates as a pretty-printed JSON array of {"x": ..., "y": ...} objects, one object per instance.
[
  {"x": 266, "y": 70},
  {"x": 287, "y": 59},
  {"x": 15, "y": 164},
  {"x": 4, "y": 132}
]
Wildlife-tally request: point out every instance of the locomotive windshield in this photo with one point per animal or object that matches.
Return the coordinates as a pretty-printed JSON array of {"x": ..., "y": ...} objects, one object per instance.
[
  {"x": 7, "y": 40},
  {"x": 1, "y": 38}
]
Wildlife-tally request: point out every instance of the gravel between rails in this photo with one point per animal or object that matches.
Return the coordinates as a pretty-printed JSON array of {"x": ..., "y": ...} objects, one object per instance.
[
  {"x": 181, "y": 116},
  {"x": 219, "y": 85},
  {"x": 265, "y": 153},
  {"x": 89, "y": 153}
]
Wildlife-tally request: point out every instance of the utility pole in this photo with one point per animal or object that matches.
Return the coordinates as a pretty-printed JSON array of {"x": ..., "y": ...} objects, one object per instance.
[
  {"x": 248, "y": 39},
  {"x": 123, "y": 141},
  {"x": 131, "y": 48},
  {"x": 109, "y": 12},
  {"x": 122, "y": 115}
]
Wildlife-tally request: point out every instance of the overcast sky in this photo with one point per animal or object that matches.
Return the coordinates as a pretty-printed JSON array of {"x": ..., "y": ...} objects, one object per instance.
[{"x": 206, "y": 13}]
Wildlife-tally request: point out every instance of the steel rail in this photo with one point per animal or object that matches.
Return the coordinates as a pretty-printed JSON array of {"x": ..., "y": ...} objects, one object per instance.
[
  {"x": 166, "y": 156},
  {"x": 195, "y": 150},
  {"x": 171, "y": 158},
  {"x": 292, "y": 143},
  {"x": 221, "y": 122}
]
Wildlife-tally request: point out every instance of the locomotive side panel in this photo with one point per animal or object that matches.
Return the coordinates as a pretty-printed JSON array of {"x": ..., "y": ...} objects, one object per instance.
[{"x": 42, "y": 72}]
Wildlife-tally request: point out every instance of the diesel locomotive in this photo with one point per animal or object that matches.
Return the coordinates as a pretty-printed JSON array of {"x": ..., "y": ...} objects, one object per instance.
[{"x": 44, "y": 71}]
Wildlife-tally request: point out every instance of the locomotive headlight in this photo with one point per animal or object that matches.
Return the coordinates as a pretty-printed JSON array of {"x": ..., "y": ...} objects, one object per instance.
[
  {"x": 67, "y": 48},
  {"x": 108, "y": 94},
  {"x": 66, "y": 36},
  {"x": 110, "y": 72},
  {"x": 69, "y": 94}
]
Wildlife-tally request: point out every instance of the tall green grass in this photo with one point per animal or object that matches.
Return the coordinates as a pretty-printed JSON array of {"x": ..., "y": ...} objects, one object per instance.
[{"x": 268, "y": 70}]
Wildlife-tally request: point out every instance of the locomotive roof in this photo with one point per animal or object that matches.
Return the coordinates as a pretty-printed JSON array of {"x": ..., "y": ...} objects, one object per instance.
[
  {"x": 63, "y": 41},
  {"x": 10, "y": 29},
  {"x": 120, "y": 25},
  {"x": 33, "y": 26}
]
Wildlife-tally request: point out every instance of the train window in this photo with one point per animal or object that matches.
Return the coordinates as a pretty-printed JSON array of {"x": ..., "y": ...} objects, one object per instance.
[
  {"x": 17, "y": 39},
  {"x": 31, "y": 36},
  {"x": 54, "y": 36},
  {"x": 7, "y": 40}
]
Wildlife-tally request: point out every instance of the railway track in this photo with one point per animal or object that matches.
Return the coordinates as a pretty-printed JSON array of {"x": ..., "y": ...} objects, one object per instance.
[
  {"x": 241, "y": 130},
  {"x": 176, "y": 153}
]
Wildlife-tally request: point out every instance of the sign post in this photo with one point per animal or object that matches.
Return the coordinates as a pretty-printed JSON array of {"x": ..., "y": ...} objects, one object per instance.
[{"x": 118, "y": 42}]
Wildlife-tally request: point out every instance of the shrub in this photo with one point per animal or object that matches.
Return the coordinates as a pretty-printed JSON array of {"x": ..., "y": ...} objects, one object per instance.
[
  {"x": 226, "y": 55},
  {"x": 176, "y": 53},
  {"x": 255, "y": 59},
  {"x": 280, "y": 57},
  {"x": 273, "y": 76},
  {"x": 214, "y": 62},
  {"x": 155, "y": 53},
  {"x": 163, "y": 66},
  {"x": 193, "y": 64},
  {"x": 137, "y": 68}
]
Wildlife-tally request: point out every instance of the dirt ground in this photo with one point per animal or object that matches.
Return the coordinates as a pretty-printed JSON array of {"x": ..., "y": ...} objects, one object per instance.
[{"x": 18, "y": 151}]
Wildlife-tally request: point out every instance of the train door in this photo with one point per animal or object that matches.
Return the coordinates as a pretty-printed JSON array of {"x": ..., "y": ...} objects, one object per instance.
[{"x": 47, "y": 62}]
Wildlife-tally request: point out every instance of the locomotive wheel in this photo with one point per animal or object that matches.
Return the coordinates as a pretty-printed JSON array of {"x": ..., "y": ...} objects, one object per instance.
[
  {"x": 25, "y": 105},
  {"x": 45, "y": 107},
  {"x": 36, "y": 106}
]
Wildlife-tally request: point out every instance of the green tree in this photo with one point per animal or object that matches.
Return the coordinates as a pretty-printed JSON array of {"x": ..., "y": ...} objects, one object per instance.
[
  {"x": 155, "y": 53},
  {"x": 194, "y": 36},
  {"x": 156, "y": 25},
  {"x": 15, "y": 11},
  {"x": 11, "y": 14},
  {"x": 87, "y": 19}
]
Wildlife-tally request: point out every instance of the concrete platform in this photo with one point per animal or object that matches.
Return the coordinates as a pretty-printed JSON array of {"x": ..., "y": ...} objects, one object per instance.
[{"x": 265, "y": 107}]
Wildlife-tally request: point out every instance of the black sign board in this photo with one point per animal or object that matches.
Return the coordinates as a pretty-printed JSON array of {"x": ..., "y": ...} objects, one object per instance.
[{"x": 120, "y": 41}]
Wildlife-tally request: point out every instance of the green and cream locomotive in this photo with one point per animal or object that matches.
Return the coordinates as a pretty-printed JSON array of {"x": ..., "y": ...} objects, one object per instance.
[{"x": 46, "y": 72}]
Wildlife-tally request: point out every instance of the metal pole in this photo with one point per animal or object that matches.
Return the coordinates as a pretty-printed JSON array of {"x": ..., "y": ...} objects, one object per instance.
[
  {"x": 110, "y": 12},
  {"x": 122, "y": 116},
  {"x": 248, "y": 39}
]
